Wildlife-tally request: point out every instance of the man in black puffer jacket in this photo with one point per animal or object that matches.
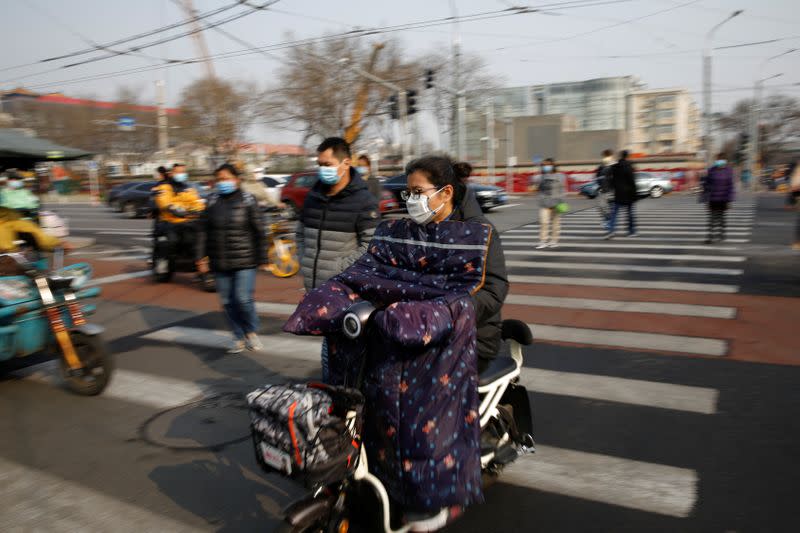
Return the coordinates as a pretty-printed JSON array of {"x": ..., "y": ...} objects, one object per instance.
[{"x": 232, "y": 237}]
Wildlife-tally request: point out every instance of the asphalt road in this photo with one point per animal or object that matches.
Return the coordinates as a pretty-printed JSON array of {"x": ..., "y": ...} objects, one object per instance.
[{"x": 664, "y": 386}]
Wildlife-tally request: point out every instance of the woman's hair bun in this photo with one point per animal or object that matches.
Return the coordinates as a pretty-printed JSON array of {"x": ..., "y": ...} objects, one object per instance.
[{"x": 462, "y": 170}]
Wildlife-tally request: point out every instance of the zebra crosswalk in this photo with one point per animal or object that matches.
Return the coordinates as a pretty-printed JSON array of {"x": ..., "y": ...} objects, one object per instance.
[{"x": 628, "y": 482}]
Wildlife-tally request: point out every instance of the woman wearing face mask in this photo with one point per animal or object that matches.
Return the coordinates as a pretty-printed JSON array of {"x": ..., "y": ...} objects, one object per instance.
[
  {"x": 232, "y": 237},
  {"x": 718, "y": 191},
  {"x": 552, "y": 187},
  {"x": 436, "y": 191}
]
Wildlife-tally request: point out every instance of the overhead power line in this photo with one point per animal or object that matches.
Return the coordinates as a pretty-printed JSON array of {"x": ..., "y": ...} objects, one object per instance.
[
  {"x": 149, "y": 33},
  {"x": 137, "y": 48}
]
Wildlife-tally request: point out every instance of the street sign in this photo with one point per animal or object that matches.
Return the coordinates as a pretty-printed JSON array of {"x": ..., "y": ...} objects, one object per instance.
[{"x": 126, "y": 123}]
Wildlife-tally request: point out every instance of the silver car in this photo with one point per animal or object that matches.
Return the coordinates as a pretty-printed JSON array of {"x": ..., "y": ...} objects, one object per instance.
[{"x": 651, "y": 185}]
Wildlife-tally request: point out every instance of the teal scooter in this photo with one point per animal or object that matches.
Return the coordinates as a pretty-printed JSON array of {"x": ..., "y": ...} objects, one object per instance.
[{"x": 42, "y": 310}]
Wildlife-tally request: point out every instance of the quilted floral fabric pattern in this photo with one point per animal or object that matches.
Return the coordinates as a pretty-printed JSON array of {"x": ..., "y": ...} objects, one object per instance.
[{"x": 421, "y": 427}]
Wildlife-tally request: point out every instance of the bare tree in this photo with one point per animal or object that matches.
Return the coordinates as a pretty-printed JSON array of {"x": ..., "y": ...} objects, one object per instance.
[
  {"x": 216, "y": 113},
  {"x": 779, "y": 123},
  {"x": 317, "y": 93}
]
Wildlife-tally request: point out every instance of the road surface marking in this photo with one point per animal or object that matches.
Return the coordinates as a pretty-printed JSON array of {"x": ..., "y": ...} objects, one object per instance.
[
  {"x": 648, "y": 487},
  {"x": 509, "y": 241},
  {"x": 282, "y": 345},
  {"x": 660, "y": 395},
  {"x": 504, "y": 206},
  {"x": 626, "y": 284},
  {"x": 128, "y": 385},
  {"x": 34, "y": 500},
  {"x": 698, "y": 233},
  {"x": 631, "y": 339},
  {"x": 270, "y": 308},
  {"x": 613, "y": 255},
  {"x": 119, "y": 277},
  {"x": 505, "y": 235},
  {"x": 623, "y": 268},
  {"x": 621, "y": 390},
  {"x": 707, "y": 311}
]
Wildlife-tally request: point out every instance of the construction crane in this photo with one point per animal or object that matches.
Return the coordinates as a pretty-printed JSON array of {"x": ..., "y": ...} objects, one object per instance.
[
  {"x": 352, "y": 131},
  {"x": 199, "y": 39}
]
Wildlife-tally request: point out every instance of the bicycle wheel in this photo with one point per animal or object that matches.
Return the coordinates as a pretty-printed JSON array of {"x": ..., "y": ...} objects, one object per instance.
[{"x": 282, "y": 256}]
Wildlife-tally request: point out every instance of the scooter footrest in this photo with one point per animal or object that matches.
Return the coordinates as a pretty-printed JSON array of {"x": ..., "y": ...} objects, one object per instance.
[{"x": 505, "y": 454}]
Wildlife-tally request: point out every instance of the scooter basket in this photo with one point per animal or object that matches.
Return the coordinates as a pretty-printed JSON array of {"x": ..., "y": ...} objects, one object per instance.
[{"x": 308, "y": 432}]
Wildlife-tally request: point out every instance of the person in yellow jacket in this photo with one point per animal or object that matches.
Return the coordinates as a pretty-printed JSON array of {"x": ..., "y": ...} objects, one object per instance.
[
  {"x": 13, "y": 227},
  {"x": 178, "y": 206}
]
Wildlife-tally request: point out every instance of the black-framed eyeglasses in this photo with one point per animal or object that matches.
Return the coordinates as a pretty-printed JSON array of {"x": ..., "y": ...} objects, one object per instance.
[{"x": 406, "y": 194}]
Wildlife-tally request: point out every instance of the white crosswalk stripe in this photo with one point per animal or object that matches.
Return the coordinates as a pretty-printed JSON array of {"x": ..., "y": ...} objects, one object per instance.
[{"x": 619, "y": 481}]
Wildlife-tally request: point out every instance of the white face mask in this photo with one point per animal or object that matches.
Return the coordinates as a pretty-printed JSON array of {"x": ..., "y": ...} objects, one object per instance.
[{"x": 419, "y": 209}]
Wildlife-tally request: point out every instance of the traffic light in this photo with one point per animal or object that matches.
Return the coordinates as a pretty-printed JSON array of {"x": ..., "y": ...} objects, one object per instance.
[
  {"x": 429, "y": 78},
  {"x": 743, "y": 148},
  {"x": 394, "y": 111},
  {"x": 411, "y": 102}
]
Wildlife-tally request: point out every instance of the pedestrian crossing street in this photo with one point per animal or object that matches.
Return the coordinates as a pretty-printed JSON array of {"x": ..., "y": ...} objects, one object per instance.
[{"x": 647, "y": 486}]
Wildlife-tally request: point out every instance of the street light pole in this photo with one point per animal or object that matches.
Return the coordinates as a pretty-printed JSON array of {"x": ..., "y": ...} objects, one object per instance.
[
  {"x": 163, "y": 140},
  {"x": 755, "y": 108},
  {"x": 490, "y": 138},
  {"x": 707, "y": 85}
]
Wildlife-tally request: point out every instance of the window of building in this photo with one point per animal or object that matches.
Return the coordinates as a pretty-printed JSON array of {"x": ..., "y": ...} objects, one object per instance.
[
  {"x": 667, "y": 99},
  {"x": 664, "y": 129},
  {"x": 665, "y": 113}
]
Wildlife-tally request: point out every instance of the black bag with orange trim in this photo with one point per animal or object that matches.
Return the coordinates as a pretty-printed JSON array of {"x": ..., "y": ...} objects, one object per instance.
[{"x": 310, "y": 432}]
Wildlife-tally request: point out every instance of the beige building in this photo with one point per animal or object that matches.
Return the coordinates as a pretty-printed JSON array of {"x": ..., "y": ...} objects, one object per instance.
[{"x": 663, "y": 121}]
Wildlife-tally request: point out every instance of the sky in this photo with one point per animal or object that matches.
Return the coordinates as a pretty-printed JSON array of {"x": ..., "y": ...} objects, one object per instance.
[{"x": 659, "y": 41}]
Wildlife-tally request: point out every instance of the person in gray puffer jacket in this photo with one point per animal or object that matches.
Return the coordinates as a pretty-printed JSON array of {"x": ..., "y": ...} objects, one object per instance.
[
  {"x": 338, "y": 218},
  {"x": 336, "y": 224},
  {"x": 552, "y": 188}
]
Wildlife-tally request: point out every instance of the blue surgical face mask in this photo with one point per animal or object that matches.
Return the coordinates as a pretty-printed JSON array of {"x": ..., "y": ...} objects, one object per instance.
[
  {"x": 547, "y": 168},
  {"x": 720, "y": 162},
  {"x": 329, "y": 175},
  {"x": 180, "y": 177},
  {"x": 226, "y": 187},
  {"x": 15, "y": 184}
]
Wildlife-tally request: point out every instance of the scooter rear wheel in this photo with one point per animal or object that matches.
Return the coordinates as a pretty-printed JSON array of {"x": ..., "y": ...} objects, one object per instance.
[{"x": 97, "y": 365}]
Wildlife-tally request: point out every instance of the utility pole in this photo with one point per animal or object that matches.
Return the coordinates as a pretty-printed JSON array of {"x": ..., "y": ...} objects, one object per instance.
[
  {"x": 163, "y": 139},
  {"x": 510, "y": 159},
  {"x": 755, "y": 109},
  {"x": 707, "y": 86},
  {"x": 460, "y": 106},
  {"x": 490, "y": 137}
]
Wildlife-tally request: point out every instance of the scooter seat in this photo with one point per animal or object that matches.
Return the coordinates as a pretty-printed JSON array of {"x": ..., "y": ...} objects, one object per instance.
[
  {"x": 498, "y": 367},
  {"x": 59, "y": 283}
]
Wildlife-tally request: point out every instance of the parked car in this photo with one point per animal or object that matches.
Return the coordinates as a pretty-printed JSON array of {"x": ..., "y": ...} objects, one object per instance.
[
  {"x": 116, "y": 190},
  {"x": 134, "y": 202},
  {"x": 488, "y": 196},
  {"x": 646, "y": 185},
  {"x": 293, "y": 194}
]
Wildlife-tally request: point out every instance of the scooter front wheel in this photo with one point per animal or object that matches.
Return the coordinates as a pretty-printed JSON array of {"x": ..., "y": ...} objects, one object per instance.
[{"x": 97, "y": 364}]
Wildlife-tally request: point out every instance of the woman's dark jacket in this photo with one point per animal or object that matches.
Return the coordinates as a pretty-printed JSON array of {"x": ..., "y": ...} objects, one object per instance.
[
  {"x": 232, "y": 232},
  {"x": 489, "y": 299},
  {"x": 718, "y": 186},
  {"x": 623, "y": 182}
]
